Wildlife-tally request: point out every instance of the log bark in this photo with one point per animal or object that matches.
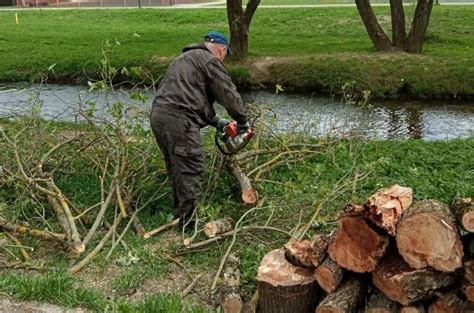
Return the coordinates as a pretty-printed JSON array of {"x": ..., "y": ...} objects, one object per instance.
[
  {"x": 427, "y": 236},
  {"x": 319, "y": 244},
  {"x": 356, "y": 245},
  {"x": 284, "y": 287},
  {"x": 387, "y": 205},
  {"x": 401, "y": 283},
  {"x": 231, "y": 301},
  {"x": 329, "y": 275},
  {"x": 299, "y": 252},
  {"x": 347, "y": 298},
  {"x": 249, "y": 194},
  {"x": 377, "y": 302},
  {"x": 463, "y": 210},
  {"x": 451, "y": 302},
  {"x": 217, "y": 227}
]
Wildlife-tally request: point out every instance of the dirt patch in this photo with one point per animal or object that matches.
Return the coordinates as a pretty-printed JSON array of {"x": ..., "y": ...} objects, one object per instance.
[{"x": 9, "y": 306}]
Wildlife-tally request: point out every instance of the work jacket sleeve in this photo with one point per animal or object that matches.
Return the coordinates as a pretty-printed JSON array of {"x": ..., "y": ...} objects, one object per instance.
[{"x": 225, "y": 91}]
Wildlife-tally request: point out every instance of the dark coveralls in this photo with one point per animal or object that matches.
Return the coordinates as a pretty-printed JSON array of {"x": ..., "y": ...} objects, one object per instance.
[{"x": 183, "y": 105}]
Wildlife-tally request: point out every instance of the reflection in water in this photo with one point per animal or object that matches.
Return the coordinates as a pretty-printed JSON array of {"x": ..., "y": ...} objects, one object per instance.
[
  {"x": 292, "y": 113},
  {"x": 410, "y": 117}
]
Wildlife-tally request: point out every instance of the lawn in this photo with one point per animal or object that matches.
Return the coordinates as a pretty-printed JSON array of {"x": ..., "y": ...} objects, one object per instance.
[{"x": 70, "y": 41}]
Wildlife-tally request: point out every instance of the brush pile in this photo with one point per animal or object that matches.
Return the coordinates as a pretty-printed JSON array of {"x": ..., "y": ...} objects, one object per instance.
[{"x": 387, "y": 255}]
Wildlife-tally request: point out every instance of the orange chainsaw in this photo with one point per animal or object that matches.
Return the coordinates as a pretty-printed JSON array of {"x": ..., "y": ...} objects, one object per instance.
[{"x": 233, "y": 141}]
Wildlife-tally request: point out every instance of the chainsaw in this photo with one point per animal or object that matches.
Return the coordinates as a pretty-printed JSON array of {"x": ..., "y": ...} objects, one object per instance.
[{"x": 233, "y": 141}]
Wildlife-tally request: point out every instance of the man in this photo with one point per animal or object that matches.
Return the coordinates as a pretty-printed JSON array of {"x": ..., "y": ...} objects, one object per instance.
[{"x": 184, "y": 105}]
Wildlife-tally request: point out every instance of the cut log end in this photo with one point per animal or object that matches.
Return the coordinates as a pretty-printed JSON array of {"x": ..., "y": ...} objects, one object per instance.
[
  {"x": 249, "y": 196},
  {"x": 427, "y": 236},
  {"x": 214, "y": 228},
  {"x": 326, "y": 279},
  {"x": 357, "y": 246},
  {"x": 79, "y": 247},
  {"x": 329, "y": 275},
  {"x": 468, "y": 222},
  {"x": 233, "y": 305}
]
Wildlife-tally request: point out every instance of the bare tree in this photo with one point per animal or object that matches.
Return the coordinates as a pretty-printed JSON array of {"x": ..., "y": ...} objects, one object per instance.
[
  {"x": 239, "y": 24},
  {"x": 412, "y": 43}
]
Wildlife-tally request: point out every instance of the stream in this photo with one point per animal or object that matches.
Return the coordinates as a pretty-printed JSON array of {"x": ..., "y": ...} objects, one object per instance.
[{"x": 307, "y": 113}]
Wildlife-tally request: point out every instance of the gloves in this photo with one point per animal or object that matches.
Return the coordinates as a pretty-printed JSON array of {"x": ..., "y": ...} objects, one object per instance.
[{"x": 242, "y": 128}]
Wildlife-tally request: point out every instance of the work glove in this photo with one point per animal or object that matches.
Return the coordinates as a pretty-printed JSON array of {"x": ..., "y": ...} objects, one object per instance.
[
  {"x": 221, "y": 123},
  {"x": 243, "y": 128}
]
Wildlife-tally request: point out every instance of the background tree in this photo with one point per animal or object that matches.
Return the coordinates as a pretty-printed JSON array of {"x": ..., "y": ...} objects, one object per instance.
[
  {"x": 239, "y": 24},
  {"x": 412, "y": 42}
]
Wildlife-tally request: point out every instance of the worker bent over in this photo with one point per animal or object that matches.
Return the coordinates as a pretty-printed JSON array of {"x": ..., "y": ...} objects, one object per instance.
[{"x": 183, "y": 105}]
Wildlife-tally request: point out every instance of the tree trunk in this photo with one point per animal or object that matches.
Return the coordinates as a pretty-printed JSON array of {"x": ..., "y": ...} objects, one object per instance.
[
  {"x": 399, "y": 34},
  {"x": 356, "y": 245},
  {"x": 329, "y": 275},
  {"x": 416, "y": 37},
  {"x": 463, "y": 210},
  {"x": 347, "y": 298},
  {"x": 239, "y": 25},
  {"x": 401, "y": 283},
  {"x": 284, "y": 287},
  {"x": 376, "y": 33},
  {"x": 377, "y": 302},
  {"x": 427, "y": 236},
  {"x": 450, "y": 302},
  {"x": 217, "y": 227},
  {"x": 387, "y": 205}
]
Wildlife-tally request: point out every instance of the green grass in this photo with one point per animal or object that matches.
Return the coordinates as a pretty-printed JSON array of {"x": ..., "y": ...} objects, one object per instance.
[
  {"x": 330, "y": 43},
  {"x": 59, "y": 288},
  {"x": 435, "y": 170}
]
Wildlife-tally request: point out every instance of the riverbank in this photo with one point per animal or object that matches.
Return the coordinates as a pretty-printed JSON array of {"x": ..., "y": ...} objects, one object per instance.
[{"x": 316, "y": 49}]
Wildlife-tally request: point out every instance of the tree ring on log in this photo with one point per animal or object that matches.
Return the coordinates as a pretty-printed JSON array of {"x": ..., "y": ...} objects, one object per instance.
[{"x": 427, "y": 240}]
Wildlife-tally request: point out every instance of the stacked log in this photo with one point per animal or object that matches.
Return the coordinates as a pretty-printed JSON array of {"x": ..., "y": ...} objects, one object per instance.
[{"x": 385, "y": 255}]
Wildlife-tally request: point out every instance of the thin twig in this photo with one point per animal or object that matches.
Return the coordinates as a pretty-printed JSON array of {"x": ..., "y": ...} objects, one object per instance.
[
  {"x": 191, "y": 286},
  {"x": 230, "y": 233}
]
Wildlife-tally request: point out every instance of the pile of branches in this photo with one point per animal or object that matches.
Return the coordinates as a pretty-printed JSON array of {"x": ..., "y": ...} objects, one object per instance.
[
  {"x": 386, "y": 255},
  {"x": 41, "y": 159}
]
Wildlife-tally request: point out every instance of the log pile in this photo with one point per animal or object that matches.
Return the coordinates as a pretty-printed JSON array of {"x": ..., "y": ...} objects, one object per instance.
[{"x": 386, "y": 255}]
